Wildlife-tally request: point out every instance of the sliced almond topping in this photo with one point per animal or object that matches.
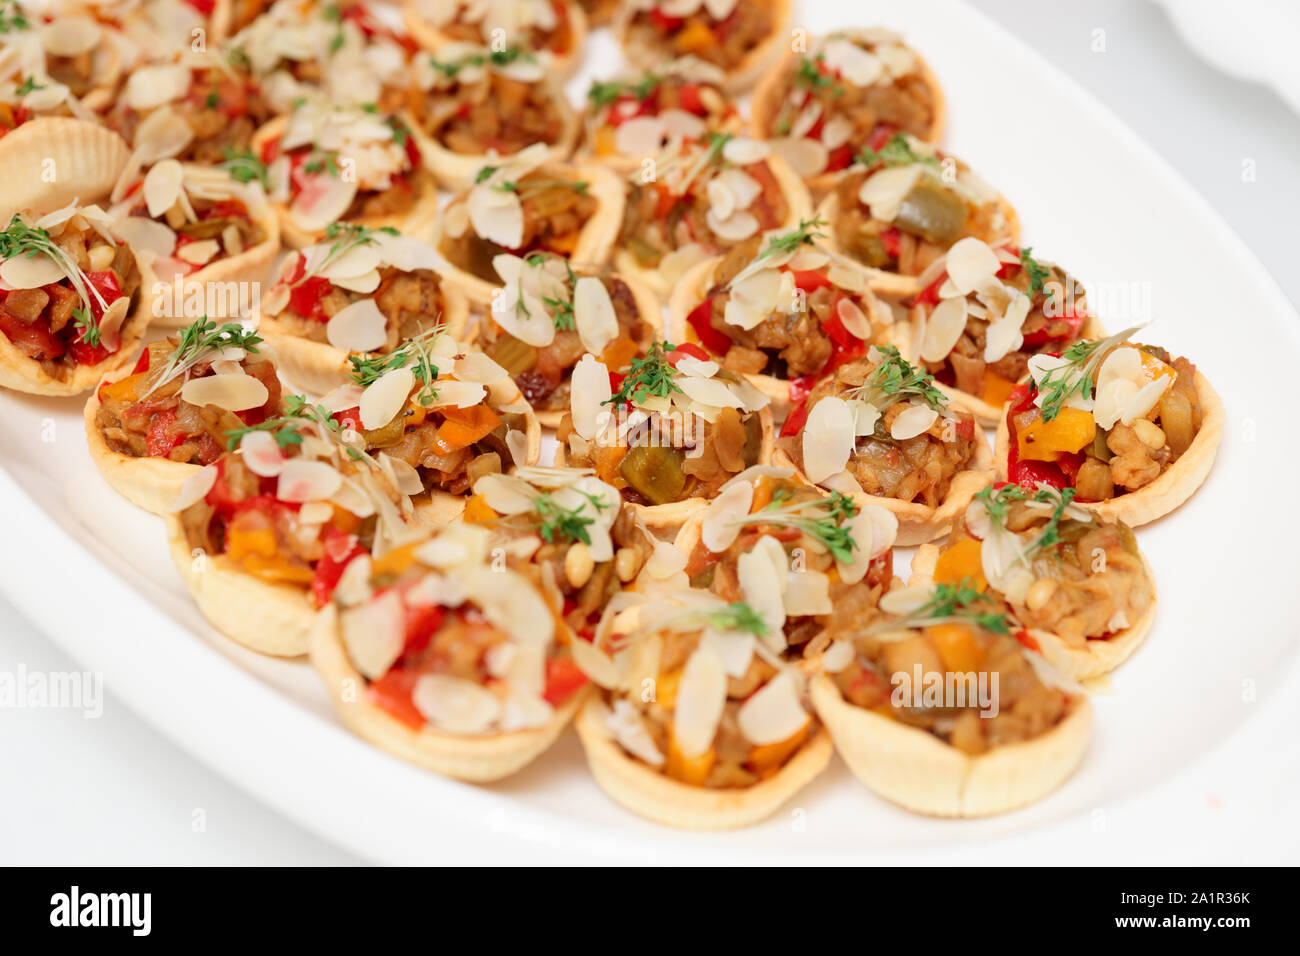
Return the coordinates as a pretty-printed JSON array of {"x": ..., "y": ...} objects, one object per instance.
[
  {"x": 589, "y": 389},
  {"x": 970, "y": 264},
  {"x": 199, "y": 252},
  {"x": 943, "y": 327},
  {"x": 30, "y": 272},
  {"x": 234, "y": 393},
  {"x": 358, "y": 327},
  {"x": 305, "y": 480},
  {"x": 744, "y": 151},
  {"x": 262, "y": 454},
  {"x": 195, "y": 488},
  {"x": 807, "y": 593},
  {"x": 387, "y": 396},
  {"x": 593, "y": 314},
  {"x": 70, "y": 35},
  {"x": 152, "y": 86},
  {"x": 829, "y": 436},
  {"x": 163, "y": 186},
  {"x": 719, "y": 528},
  {"x": 701, "y": 697},
  {"x": 912, "y": 421},
  {"x": 807, "y": 157},
  {"x": 373, "y": 634},
  {"x": 496, "y": 215},
  {"x": 884, "y": 191},
  {"x": 773, "y": 713}
]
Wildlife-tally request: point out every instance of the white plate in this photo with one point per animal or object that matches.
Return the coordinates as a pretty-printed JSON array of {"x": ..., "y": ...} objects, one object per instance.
[{"x": 1193, "y": 757}]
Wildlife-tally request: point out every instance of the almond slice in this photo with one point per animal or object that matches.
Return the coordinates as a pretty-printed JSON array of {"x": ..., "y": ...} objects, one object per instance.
[
  {"x": 589, "y": 389},
  {"x": 163, "y": 185},
  {"x": 593, "y": 314},
  {"x": 195, "y": 488},
  {"x": 262, "y": 454},
  {"x": 773, "y": 713},
  {"x": 829, "y": 436},
  {"x": 382, "y": 400},
  {"x": 234, "y": 393},
  {"x": 943, "y": 327},
  {"x": 701, "y": 697},
  {"x": 373, "y": 634},
  {"x": 302, "y": 479},
  {"x": 912, "y": 421},
  {"x": 358, "y": 327}
]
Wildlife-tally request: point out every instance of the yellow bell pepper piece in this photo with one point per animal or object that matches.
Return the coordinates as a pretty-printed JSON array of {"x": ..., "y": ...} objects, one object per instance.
[
  {"x": 695, "y": 37},
  {"x": 767, "y": 759},
  {"x": 958, "y": 646},
  {"x": 961, "y": 563},
  {"x": 605, "y": 141},
  {"x": 619, "y": 353},
  {"x": 996, "y": 389},
  {"x": 478, "y": 511},
  {"x": 395, "y": 561},
  {"x": 666, "y": 688},
  {"x": 1153, "y": 368},
  {"x": 1071, "y": 430},
  {"x": 691, "y": 770}
]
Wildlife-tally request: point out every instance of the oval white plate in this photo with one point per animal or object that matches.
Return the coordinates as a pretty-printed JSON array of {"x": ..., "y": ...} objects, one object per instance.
[{"x": 1193, "y": 752}]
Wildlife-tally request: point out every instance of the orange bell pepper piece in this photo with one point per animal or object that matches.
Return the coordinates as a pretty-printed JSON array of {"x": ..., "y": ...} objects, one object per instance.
[
  {"x": 961, "y": 563},
  {"x": 619, "y": 353},
  {"x": 478, "y": 511},
  {"x": 958, "y": 646},
  {"x": 462, "y": 427},
  {"x": 1071, "y": 430},
  {"x": 996, "y": 389},
  {"x": 695, "y": 37},
  {"x": 767, "y": 759},
  {"x": 691, "y": 770}
]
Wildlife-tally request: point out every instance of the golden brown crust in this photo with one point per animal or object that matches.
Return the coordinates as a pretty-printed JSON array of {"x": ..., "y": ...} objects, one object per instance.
[
  {"x": 770, "y": 91},
  {"x": 919, "y": 523},
  {"x": 1097, "y": 657},
  {"x": 53, "y": 160},
  {"x": 430, "y": 37},
  {"x": 1175, "y": 485},
  {"x": 903, "y": 335},
  {"x": 455, "y": 172},
  {"x": 595, "y": 239},
  {"x": 915, "y": 769},
  {"x": 267, "y": 618},
  {"x": 148, "y": 483},
  {"x": 651, "y": 794},
  {"x": 319, "y": 367},
  {"x": 891, "y": 283},
  {"x": 796, "y": 197},
  {"x": 418, "y": 222},
  {"x": 476, "y": 759},
  {"x": 665, "y": 521},
  {"x": 739, "y": 79}
]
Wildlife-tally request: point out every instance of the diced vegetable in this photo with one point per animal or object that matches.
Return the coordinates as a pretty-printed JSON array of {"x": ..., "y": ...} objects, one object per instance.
[
  {"x": 655, "y": 473},
  {"x": 959, "y": 563},
  {"x": 1070, "y": 431},
  {"x": 932, "y": 212}
]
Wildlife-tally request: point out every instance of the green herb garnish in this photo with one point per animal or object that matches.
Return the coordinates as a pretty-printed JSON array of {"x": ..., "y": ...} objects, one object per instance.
[
  {"x": 557, "y": 523},
  {"x": 648, "y": 376},
  {"x": 788, "y": 242},
  {"x": 897, "y": 152},
  {"x": 1037, "y": 272},
  {"x": 244, "y": 167},
  {"x": 202, "y": 341},
  {"x": 1059, "y": 385}
]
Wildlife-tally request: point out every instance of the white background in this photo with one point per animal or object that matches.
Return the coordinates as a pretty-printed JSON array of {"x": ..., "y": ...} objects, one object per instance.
[{"x": 112, "y": 790}]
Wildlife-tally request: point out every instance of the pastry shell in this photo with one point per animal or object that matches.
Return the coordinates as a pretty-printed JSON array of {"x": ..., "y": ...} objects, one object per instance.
[
  {"x": 917, "y": 522},
  {"x": 796, "y": 197},
  {"x": 595, "y": 238},
  {"x": 771, "y": 90},
  {"x": 884, "y": 282},
  {"x": 475, "y": 759},
  {"x": 268, "y": 618},
  {"x": 643, "y": 790},
  {"x": 431, "y": 37},
  {"x": 53, "y": 160},
  {"x": 916, "y": 770},
  {"x": 738, "y": 79},
  {"x": 417, "y": 222},
  {"x": 1175, "y": 484}
]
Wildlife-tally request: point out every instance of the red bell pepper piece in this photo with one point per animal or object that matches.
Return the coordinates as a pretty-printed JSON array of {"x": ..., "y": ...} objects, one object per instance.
[
  {"x": 160, "y": 439},
  {"x": 392, "y": 694},
  {"x": 305, "y": 298},
  {"x": 422, "y": 622},
  {"x": 340, "y": 550},
  {"x": 810, "y": 280},
  {"x": 795, "y": 421},
  {"x": 687, "y": 350},
  {"x": 701, "y": 321},
  {"x": 563, "y": 680}
]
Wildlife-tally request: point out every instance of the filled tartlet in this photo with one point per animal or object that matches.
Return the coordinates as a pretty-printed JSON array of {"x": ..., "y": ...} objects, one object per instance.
[
  {"x": 635, "y": 116},
  {"x": 359, "y": 291},
  {"x": 557, "y": 28},
  {"x": 196, "y": 107},
  {"x": 810, "y": 564},
  {"x": 151, "y": 429},
  {"x": 707, "y": 196},
  {"x": 668, "y": 432},
  {"x": 1078, "y": 584},
  {"x": 902, "y": 204},
  {"x": 524, "y": 205},
  {"x": 550, "y": 314},
  {"x": 345, "y": 165},
  {"x": 446, "y": 660},
  {"x": 72, "y": 59},
  {"x": 197, "y": 232},
  {"x": 263, "y": 535},
  {"x": 69, "y": 301},
  {"x": 822, "y": 106},
  {"x": 339, "y": 52},
  {"x": 983, "y": 313},
  {"x": 442, "y": 414},
  {"x": 779, "y": 309},
  {"x": 696, "y": 722},
  {"x": 936, "y": 705},
  {"x": 474, "y": 105},
  {"x": 740, "y": 37},
  {"x": 879, "y": 430},
  {"x": 1132, "y": 429},
  {"x": 586, "y": 543}
]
